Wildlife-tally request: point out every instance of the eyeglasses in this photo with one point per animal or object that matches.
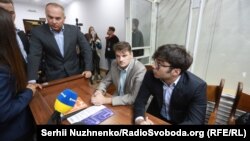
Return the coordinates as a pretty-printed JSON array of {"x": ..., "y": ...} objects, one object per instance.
[{"x": 158, "y": 65}]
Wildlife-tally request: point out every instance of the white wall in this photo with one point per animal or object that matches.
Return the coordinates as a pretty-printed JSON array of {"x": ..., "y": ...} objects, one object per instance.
[
  {"x": 101, "y": 14},
  {"x": 26, "y": 11}
]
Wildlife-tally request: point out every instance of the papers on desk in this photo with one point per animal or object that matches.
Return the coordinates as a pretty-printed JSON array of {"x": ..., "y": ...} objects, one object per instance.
[
  {"x": 79, "y": 105},
  {"x": 93, "y": 115}
]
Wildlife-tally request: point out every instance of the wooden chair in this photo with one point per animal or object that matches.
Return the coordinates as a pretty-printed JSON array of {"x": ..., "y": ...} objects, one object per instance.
[
  {"x": 213, "y": 95},
  {"x": 241, "y": 102},
  {"x": 149, "y": 67}
]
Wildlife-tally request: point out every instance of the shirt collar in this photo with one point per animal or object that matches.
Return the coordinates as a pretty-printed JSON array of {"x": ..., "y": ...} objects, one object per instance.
[
  {"x": 173, "y": 84},
  {"x": 126, "y": 67},
  {"x": 53, "y": 31}
]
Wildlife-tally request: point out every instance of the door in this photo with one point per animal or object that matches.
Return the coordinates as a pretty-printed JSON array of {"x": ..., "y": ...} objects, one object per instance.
[{"x": 141, "y": 28}]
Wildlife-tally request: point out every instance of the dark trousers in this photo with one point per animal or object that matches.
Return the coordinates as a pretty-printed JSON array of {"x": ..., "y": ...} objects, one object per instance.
[{"x": 96, "y": 62}]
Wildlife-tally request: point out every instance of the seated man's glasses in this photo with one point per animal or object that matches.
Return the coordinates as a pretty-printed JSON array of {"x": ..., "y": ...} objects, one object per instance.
[{"x": 158, "y": 65}]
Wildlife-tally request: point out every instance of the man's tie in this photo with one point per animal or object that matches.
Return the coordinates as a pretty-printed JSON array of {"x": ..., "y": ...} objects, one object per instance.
[{"x": 122, "y": 82}]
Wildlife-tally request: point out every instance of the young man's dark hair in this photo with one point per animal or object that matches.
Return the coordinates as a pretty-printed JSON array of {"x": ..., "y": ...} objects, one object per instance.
[
  {"x": 112, "y": 28},
  {"x": 175, "y": 55},
  {"x": 122, "y": 46}
]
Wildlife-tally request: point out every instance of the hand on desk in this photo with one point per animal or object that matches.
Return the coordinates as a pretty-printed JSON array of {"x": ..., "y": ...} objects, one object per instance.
[
  {"x": 145, "y": 121},
  {"x": 87, "y": 74},
  {"x": 99, "y": 99},
  {"x": 34, "y": 87}
]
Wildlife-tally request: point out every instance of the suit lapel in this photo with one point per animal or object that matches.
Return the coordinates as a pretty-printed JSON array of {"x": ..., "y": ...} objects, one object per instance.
[
  {"x": 24, "y": 40},
  {"x": 155, "y": 86},
  {"x": 159, "y": 89},
  {"x": 117, "y": 76},
  {"x": 129, "y": 73},
  {"x": 178, "y": 91},
  {"x": 66, "y": 33},
  {"x": 51, "y": 39}
]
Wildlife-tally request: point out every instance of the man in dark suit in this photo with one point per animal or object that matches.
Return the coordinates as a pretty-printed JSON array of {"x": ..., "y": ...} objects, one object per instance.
[
  {"x": 179, "y": 97},
  {"x": 57, "y": 42},
  {"x": 22, "y": 40}
]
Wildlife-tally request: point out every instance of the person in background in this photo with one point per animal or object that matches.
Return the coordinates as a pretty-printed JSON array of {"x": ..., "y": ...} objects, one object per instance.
[
  {"x": 111, "y": 39},
  {"x": 95, "y": 44},
  {"x": 16, "y": 123},
  {"x": 179, "y": 96},
  {"x": 137, "y": 38},
  {"x": 126, "y": 74},
  {"x": 58, "y": 42},
  {"x": 23, "y": 42}
]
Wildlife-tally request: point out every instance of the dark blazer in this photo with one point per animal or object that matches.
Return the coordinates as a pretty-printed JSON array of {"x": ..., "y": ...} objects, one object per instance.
[
  {"x": 187, "y": 104},
  {"x": 137, "y": 41},
  {"x": 56, "y": 66},
  {"x": 24, "y": 40},
  {"x": 26, "y": 45},
  {"x": 110, "y": 42},
  {"x": 15, "y": 118}
]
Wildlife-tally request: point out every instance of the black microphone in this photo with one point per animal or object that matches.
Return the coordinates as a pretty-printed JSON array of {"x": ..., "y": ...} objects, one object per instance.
[
  {"x": 76, "y": 21},
  {"x": 65, "y": 101}
]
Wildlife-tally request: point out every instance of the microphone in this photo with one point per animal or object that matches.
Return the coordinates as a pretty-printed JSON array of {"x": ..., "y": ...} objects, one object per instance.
[
  {"x": 65, "y": 101},
  {"x": 76, "y": 21}
]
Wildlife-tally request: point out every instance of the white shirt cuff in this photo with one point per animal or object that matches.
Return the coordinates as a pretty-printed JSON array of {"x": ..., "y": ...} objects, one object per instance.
[
  {"x": 32, "y": 81},
  {"x": 139, "y": 118}
]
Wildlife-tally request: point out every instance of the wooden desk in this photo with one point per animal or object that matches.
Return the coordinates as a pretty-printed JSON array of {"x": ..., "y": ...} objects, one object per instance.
[{"x": 42, "y": 104}]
